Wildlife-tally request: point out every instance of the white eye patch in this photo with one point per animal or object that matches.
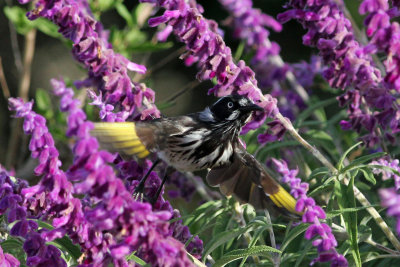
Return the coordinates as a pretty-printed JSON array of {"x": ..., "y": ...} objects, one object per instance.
[
  {"x": 243, "y": 102},
  {"x": 233, "y": 116}
]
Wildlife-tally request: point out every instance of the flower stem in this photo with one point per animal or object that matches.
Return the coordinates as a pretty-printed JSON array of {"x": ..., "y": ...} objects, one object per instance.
[{"x": 360, "y": 196}]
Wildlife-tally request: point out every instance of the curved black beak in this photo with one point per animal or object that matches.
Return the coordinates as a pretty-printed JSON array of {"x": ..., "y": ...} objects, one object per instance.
[{"x": 251, "y": 107}]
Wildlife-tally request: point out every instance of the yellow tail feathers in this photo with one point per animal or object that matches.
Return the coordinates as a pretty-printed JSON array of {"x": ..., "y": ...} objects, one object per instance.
[
  {"x": 120, "y": 137},
  {"x": 284, "y": 200}
]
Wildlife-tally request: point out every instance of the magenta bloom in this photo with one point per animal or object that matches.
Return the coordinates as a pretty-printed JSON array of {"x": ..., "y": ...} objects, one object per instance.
[
  {"x": 206, "y": 47},
  {"x": 312, "y": 213},
  {"x": 350, "y": 65},
  {"x": 7, "y": 260}
]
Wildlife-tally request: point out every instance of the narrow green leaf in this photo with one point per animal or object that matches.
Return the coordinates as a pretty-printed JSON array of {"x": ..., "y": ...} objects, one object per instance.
[
  {"x": 124, "y": 13},
  {"x": 333, "y": 213},
  {"x": 222, "y": 238},
  {"x": 203, "y": 210},
  {"x": 240, "y": 253},
  {"x": 368, "y": 175},
  {"x": 293, "y": 234},
  {"x": 303, "y": 254},
  {"x": 340, "y": 163},
  {"x": 361, "y": 160},
  {"x": 17, "y": 16},
  {"x": 150, "y": 47},
  {"x": 136, "y": 259},
  {"x": 346, "y": 199},
  {"x": 67, "y": 245},
  {"x": 306, "y": 113}
]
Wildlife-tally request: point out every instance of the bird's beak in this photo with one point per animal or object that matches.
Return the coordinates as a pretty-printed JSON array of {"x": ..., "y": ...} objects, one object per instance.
[{"x": 252, "y": 107}]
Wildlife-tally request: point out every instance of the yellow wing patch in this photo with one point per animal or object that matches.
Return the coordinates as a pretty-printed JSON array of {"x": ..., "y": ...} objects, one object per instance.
[
  {"x": 284, "y": 200},
  {"x": 120, "y": 137}
]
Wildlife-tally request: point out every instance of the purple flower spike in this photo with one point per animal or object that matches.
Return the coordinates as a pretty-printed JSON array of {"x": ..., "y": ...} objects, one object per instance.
[
  {"x": 108, "y": 71},
  {"x": 124, "y": 224},
  {"x": 368, "y": 96},
  {"x": 312, "y": 213},
  {"x": 206, "y": 47}
]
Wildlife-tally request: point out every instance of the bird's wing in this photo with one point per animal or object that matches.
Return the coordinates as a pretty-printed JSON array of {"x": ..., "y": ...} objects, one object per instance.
[
  {"x": 247, "y": 180},
  {"x": 126, "y": 138}
]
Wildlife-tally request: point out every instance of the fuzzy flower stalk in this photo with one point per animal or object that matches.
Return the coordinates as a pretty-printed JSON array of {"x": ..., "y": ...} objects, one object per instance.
[
  {"x": 108, "y": 71},
  {"x": 118, "y": 213},
  {"x": 252, "y": 27},
  {"x": 371, "y": 104},
  {"x": 325, "y": 241},
  {"x": 206, "y": 47}
]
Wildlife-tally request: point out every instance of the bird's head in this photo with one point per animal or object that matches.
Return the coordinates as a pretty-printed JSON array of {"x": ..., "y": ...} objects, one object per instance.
[{"x": 234, "y": 108}]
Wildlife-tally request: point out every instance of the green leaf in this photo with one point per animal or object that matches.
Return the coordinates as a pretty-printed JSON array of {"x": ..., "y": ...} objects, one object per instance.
[
  {"x": 202, "y": 211},
  {"x": 67, "y": 245},
  {"x": 333, "y": 213},
  {"x": 150, "y": 46},
  {"x": 240, "y": 253},
  {"x": 136, "y": 259},
  {"x": 321, "y": 188},
  {"x": 17, "y": 16},
  {"x": 23, "y": 25},
  {"x": 293, "y": 234},
  {"x": 303, "y": 253},
  {"x": 306, "y": 113},
  {"x": 361, "y": 160},
  {"x": 124, "y": 13},
  {"x": 340, "y": 163},
  {"x": 222, "y": 238},
  {"x": 64, "y": 243},
  {"x": 368, "y": 175},
  {"x": 43, "y": 100},
  {"x": 47, "y": 27},
  {"x": 346, "y": 199},
  {"x": 321, "y": 138}
]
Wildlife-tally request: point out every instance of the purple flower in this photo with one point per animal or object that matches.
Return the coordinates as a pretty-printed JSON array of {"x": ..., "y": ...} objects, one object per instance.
[
  {"x": 14, "y": 206},
  {"x": 206, "y": 47},
  {"x": 386, "y": 174},
  {"x": 312, "y": 213},
  {"x": 350, "y": 65},
  {"x": 390, "y": 199},
  {"x": 108, "y": 71},
  {"x": 132, "y": 225},
  {"x": 8, "y": 260}
]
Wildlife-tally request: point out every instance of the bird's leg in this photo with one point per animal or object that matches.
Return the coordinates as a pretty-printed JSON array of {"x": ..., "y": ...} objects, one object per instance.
[
  {"x": 167, "y": 173},
  {"x": 139, "y": 190}
]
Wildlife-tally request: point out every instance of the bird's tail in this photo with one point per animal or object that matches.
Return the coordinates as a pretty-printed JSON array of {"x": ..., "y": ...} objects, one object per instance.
[
  {"x": 248, "y": 181},
  {"x": 120, "y": 137}
]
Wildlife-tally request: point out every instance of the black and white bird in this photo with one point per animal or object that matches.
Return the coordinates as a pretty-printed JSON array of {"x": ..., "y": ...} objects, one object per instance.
[{"x": 204, "y": 140}]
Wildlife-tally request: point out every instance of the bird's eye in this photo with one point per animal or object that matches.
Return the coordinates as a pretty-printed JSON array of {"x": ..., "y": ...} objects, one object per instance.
[{"x": 230, "y": 104}]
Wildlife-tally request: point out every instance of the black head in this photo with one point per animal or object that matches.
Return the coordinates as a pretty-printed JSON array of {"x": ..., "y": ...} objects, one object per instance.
[{"x": 234, "y": 108}]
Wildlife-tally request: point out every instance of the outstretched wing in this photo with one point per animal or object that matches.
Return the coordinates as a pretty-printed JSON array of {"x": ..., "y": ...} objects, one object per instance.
[
  {"x": 247, "y": 180},
  {"x": 126, "y": 138}
]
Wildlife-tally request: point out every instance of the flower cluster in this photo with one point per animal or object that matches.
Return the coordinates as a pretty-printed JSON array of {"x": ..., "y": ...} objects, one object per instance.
[
  {"x": 312, "y": 213},
  {"x": 391, "y": 163},
  {"x": 114, "y": 212},
  {"x": 207, "y": 48},
  {"x": 370, "y": 103},
  {"x": 250, "y": 24},
  {"x": 108, "y": 71},
  {"x": 13, "y": 205}
]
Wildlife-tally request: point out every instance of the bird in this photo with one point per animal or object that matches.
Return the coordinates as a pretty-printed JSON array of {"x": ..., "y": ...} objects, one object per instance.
[{"x": 208, "y": 139}]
